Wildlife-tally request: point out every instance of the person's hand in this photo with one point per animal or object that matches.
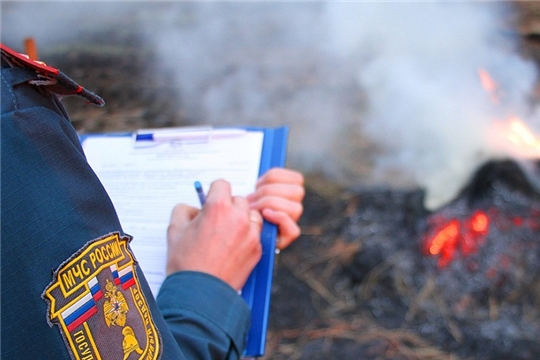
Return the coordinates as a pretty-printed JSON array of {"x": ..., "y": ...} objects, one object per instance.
[
  {"x": 278, "y": 197},
  {"x": 222, "y": 239}
]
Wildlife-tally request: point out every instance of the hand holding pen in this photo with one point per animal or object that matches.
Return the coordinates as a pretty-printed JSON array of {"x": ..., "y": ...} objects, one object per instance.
[{"x": 222, "y": 239}]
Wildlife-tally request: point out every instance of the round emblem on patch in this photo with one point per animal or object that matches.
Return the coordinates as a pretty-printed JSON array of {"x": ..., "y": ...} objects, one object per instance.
[{"x": 96, "y": 301}]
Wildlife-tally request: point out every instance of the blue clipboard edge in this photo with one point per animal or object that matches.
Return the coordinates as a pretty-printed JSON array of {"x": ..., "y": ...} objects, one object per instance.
[{"x": 258, "y": 288}]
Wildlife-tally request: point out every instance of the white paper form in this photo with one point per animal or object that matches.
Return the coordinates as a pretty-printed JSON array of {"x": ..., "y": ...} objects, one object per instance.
[{"x": 146, "y": 183}]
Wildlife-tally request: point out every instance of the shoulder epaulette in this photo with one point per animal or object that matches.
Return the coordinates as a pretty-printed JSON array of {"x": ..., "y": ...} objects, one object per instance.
[{"x": 52, "y": 79}]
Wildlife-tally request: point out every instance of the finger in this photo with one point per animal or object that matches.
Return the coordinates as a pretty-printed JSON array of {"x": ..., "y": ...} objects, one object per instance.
[
  {"x": 256, "y": 218},
  {"x": 281, "y": 175},
  {"x": 181, "y": 216},
  {"x": 241, "y": 202},
  {"x": 183, "y": 213},
  {"x": 287, "y": 227},
  {"x": 294, "y": 209},
  {"x": 293, "y": 192},
  {"x": 220, "y": 190}
]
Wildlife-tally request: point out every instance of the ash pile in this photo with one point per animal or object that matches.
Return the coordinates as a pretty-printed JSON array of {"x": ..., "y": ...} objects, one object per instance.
[{"x": 377, "y": 276}]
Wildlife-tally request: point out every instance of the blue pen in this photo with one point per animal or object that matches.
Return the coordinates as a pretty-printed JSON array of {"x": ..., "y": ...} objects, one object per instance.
[{"x": 200, "y": 192}]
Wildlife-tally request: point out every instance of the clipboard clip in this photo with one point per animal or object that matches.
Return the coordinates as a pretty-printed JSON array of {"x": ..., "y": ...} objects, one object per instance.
[{"x": 183, "y": 135}]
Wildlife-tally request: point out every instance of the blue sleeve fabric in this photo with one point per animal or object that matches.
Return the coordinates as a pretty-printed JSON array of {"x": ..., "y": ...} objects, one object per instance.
[
  {"x": 53, "y": 211},
  {"x": 198, "y": 308}
]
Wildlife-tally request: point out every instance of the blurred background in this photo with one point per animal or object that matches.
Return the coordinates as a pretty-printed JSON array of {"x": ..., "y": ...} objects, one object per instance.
[
  {"x": 403, "y": 97},
  {"x": 374, "y": 92}
]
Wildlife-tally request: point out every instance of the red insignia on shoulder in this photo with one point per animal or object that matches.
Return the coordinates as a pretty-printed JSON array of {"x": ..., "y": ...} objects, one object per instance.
[
  {"x": 51, "y": 79},
  {"x": 96, "y": 301}
]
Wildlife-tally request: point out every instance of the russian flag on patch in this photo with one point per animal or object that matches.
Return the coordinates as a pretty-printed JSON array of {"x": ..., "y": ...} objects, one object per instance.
[
  {"x": 79, "y": 312},
  {"x": 115, "y": 274},
  {"x": 95, "y": 289},
  {"x": 126, "y": 277}
]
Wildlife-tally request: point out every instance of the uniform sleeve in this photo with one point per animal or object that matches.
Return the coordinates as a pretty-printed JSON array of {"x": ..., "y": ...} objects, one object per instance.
[
  {"x": 208, "y": 319},
  {"x": 53, "y": 207}
]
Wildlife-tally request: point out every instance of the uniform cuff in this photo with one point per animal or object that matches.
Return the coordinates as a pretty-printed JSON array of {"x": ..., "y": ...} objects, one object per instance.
[{"x": 208, "y": 297}]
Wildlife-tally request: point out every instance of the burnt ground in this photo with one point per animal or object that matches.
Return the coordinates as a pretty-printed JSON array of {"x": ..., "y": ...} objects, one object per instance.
[
  {"x": 373, "y": 294},
  {"x": 356, "y": 284}
]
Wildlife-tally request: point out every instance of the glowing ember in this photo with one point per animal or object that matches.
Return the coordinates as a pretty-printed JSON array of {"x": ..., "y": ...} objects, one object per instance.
[
  {"x": 445, "y": 238},
  {"x": 466, "y": 235},
  {"x": 480, "y": 222},
  {"x": 451, "y": 236}
]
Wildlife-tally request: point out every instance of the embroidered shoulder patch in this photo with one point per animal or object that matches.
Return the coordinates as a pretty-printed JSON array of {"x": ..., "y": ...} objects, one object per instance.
[{"x": 96, "y": 301}]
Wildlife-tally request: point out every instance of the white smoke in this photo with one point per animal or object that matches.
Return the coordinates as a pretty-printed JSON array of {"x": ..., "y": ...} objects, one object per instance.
[
  {"x": 426, "y": 104},
  {"x": 261, "y": 64},
  {"x": 374, "y": 92}
]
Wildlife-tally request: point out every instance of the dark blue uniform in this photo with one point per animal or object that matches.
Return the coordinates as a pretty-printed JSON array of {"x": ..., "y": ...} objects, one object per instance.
[{"x": 70, "y": 284}]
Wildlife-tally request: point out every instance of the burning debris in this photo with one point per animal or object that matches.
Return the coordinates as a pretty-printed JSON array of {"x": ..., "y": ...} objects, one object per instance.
[
  {"x": 498, "y": 198},
  {"x": 462, "y": 281},
  {"x": 488, "y": 273}
]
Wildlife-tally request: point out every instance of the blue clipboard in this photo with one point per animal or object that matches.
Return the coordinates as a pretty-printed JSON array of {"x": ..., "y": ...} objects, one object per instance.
[{"x": 257, "y": 290}]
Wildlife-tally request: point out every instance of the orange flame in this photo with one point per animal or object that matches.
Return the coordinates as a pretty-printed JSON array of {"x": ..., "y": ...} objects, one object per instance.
[
  {"x": 489, "y": 85},
  {"x": 521, "y": 135},
  {"x": 512, "y": 134}
]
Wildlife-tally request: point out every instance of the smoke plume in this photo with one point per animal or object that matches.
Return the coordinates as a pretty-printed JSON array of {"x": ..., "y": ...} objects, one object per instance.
[{"x": 383, "y": 93}]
